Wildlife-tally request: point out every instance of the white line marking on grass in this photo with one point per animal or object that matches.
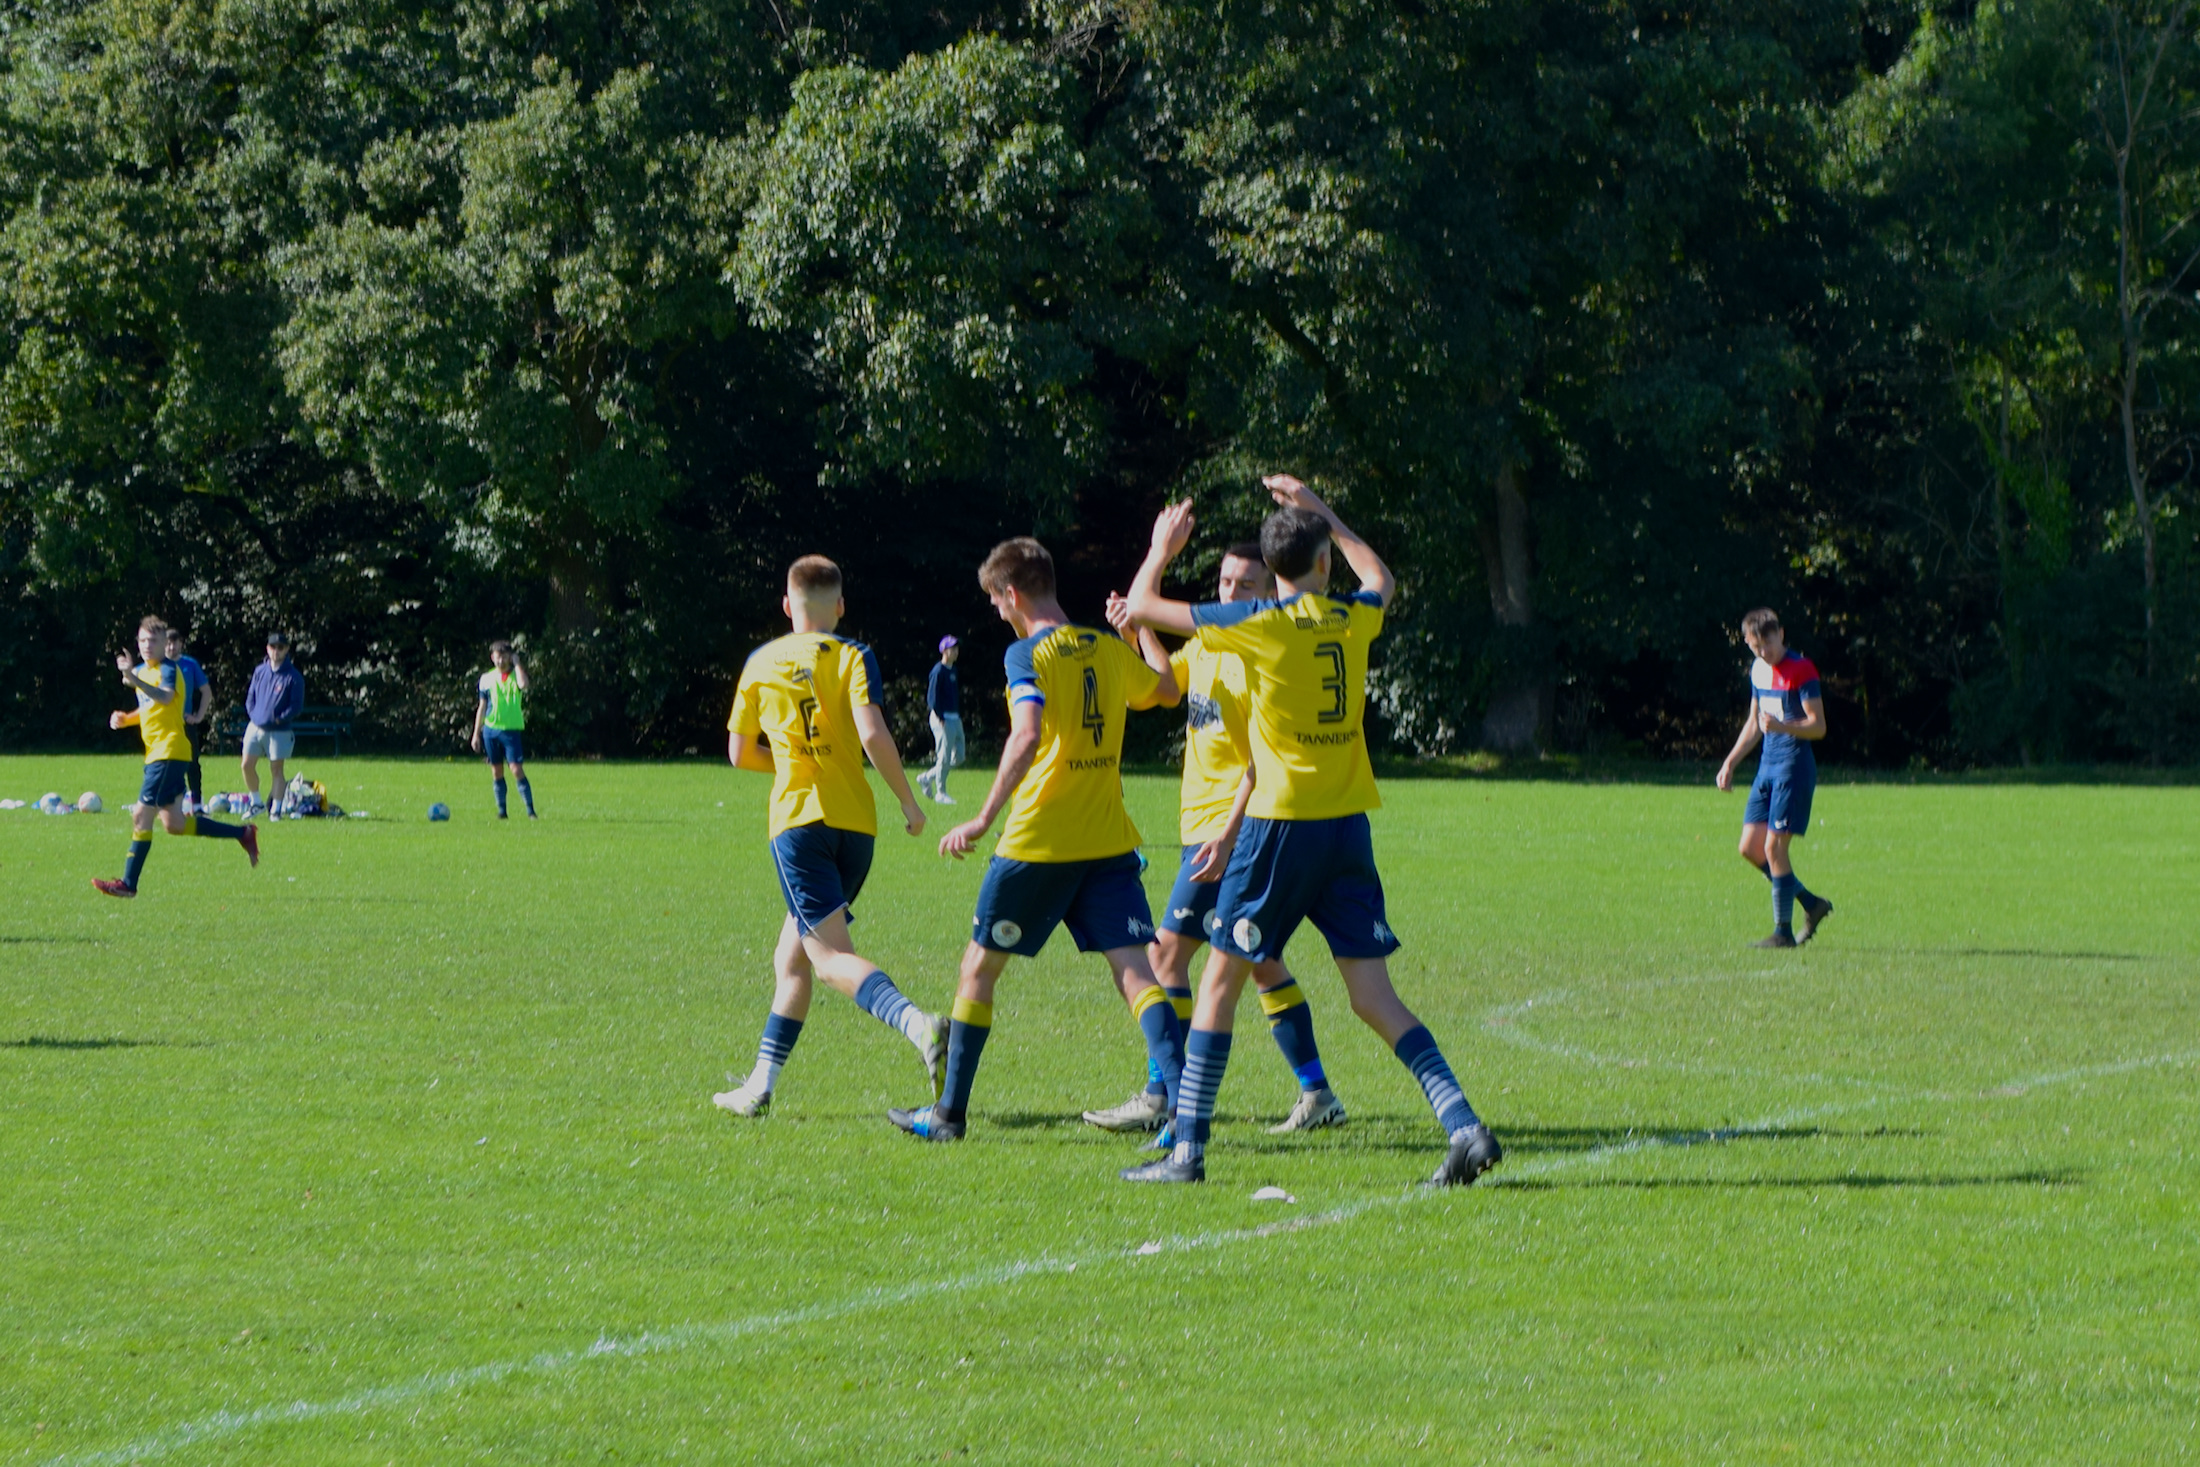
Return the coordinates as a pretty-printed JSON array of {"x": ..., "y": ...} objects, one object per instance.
[{"x": 221, "y": 1425}]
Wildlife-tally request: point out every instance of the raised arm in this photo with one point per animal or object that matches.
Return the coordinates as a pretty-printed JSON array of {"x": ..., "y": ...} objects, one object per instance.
[
  {"x": 1375, "y": 577},
  {"x": 1171, "y": 529},
  {"x": 136, "y": 684},
  {"x": 878, "y": 742},
  {"x": 1022, "y": 748},
  {"x": 1150, "y": 648},
  {"x": 519, "y": 670}
]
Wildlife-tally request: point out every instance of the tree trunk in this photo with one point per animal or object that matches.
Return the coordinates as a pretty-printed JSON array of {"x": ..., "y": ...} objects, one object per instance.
[{"x": 1519, "y": 710}]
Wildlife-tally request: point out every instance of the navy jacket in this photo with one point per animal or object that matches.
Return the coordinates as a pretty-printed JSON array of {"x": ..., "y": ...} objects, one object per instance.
[
  {"x": 277, "y": 695},
  {"x": 943, "y": 695}
]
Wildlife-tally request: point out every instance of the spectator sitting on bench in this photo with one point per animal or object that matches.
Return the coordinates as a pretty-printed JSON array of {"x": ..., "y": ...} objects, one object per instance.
[{"x": 277, "y": 695}]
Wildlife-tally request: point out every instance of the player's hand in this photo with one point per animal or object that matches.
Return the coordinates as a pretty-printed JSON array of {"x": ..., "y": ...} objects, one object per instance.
[
  {"x": 477, "y": 741},
  {"x": 912, "y": 817},
  {"x": 123, "y": 664},
  {"x": 1211, "y": 860},
  {"x": 957, "y": 842},
  {"x": 1119, "y": 613},
  {"x": 114, "y": 720},
  {"x": 1292, "y": 493},
  {"x": 1172, "y": 529},
  {"x": 1725, "y": 777}
]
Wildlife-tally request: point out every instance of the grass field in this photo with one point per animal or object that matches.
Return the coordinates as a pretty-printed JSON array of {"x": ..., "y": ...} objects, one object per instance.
[{"x": 400, "y": 1149}]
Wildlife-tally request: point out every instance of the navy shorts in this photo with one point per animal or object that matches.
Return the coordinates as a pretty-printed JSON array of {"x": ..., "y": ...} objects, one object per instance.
[
  {"x": 1191, "y": 909},
  {"x": 1285, "y": 872},
  {"x": 165, "y": 782},
  {"x": 821, "y": 870},
  {"x": 502, "y": 746},
  {"x": 1022, "y": 902},
  {"x": 1781, "y": 798}
]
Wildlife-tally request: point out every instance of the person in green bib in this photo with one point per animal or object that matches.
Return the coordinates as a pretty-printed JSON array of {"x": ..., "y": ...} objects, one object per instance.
[{"x": 499, "y": 715}]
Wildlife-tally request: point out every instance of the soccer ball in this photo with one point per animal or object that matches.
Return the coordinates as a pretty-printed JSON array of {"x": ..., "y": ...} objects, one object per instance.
[
  {"x": 51, "y": 803},
  {"x": 88, "y": 803},
  {"x": 439, "y": 811}
]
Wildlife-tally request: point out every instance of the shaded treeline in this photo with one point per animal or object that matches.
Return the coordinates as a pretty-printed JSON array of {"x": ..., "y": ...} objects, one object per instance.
[{"x": 406, "y": 325}]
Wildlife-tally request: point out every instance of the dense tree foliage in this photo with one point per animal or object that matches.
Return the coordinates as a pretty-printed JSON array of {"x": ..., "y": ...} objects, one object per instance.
[{"x": 406, "y": 325}]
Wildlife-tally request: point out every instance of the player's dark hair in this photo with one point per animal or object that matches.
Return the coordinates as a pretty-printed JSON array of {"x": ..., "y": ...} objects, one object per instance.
[
  {"x": 1021, "y": 563},
  {"x": 1757, "y": 623},
  {"x": 1291, "y": 540},
  {"x": 1245, "y": 550},
  {"x": 152, "y": 624},
  {"x": 812, "y": 575},
  {"x": 500, "y": 645}
]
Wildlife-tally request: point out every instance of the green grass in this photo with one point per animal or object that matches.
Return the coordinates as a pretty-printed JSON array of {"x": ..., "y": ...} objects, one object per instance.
[{"x": 404, "y": 1141}]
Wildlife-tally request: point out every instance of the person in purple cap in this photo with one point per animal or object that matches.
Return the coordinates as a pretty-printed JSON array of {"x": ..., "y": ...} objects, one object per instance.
[{"x": 943, "y": 701}]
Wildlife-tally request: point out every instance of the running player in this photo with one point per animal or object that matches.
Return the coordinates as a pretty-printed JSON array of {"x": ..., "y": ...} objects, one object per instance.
[
  {"x": 1788, "y": 712},
  {"x": 1069, "y": 853},
  {"x": 813, "y": 694},
  {"x": 1211, "y": 805},
  {"x": 500, "y": 715},
  {"x": 158, "y": 717},
  {"x": 1306, "y": 851}
]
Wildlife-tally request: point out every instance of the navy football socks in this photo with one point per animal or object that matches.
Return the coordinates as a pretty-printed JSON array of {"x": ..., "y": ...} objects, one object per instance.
[
  {"x": 1164, "y": 1037},
  {"x": 780, "y": 1033},
  {"x": 1206, "y": 1056},
  {"x": 1416, "y": 1048},
  {"x": 879, "y": 998},
  {"x": 500, "y": 797},
  {"x": 1180, "y": 999},
  {"x": 1783, "y": 904},
  {"x": 140, "y": 848},
  {"x": 215, "y": 829},
  {"x": 969, "y": 1026},
  {"x": 1291, "y": 1021},
  {"x": 527, "y": 793}
]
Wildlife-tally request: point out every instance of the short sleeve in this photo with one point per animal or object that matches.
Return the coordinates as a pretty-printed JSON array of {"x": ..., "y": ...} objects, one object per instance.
[
  {"x": 1023, "y": 675},
  {"x": 1141, "y": 684},
  {"x": 863, "y": 678},
  {"x": 1805, "y": 678},
  {"x": 1367, "y": 613},
  {"x": 1223, "y": 625},
  {"x": 1180, "y": 666},
  {"x": 745, "y": 720}
]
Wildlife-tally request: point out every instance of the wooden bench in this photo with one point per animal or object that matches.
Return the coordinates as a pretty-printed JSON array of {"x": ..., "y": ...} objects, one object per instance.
[{"x": 333, "y": 724}]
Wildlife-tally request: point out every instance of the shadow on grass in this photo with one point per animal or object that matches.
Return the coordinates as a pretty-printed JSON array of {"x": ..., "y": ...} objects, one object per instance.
[
  {"x": 42, "y": 939},
  {"x": 45, "y": 1041},
  {"x": 1858, "y": 1183},
  {"x": 1414, "y": 1135}
]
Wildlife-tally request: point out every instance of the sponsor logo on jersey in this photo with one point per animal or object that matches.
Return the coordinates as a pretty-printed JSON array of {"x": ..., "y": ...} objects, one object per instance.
[{"x": 1201, "y": 711}]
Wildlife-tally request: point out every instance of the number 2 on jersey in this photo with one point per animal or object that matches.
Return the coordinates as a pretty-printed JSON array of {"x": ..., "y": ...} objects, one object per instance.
[{"x": 1333, "y": 685}]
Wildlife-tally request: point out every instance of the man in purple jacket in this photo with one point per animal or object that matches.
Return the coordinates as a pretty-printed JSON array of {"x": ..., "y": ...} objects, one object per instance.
[{"x": 277, "y": 696}]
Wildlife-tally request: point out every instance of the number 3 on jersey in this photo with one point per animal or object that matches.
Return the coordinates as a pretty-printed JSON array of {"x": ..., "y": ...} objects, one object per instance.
[{"x": 1333, "y": 685}]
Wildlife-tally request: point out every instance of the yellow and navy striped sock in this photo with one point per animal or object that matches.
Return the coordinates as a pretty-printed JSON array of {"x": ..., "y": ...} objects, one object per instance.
[
  {"x": 1180, "y": 1000},
  {"x": 1291, "y": 1021},
  {"x": 969, "y": 1025},
  {"x": 1164, "y": 1044}
]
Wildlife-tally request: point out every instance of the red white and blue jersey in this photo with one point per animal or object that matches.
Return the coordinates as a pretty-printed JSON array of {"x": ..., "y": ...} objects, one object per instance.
[{"x": 1780, "y": 691}]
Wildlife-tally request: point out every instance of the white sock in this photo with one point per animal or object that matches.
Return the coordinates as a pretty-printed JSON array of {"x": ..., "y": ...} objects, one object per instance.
[
  {"x": 762, "y": 1078},
  {"x": 916, "y": 1025}
]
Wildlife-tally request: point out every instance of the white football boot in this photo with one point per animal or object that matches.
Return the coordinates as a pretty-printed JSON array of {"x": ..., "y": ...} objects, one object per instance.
[{"x": 1316, "y": 1108}]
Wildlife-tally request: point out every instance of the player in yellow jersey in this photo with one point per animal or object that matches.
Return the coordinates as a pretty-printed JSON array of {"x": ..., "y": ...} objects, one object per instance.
[
  {"x": 1306, "y": 851},
  {"x": 806, "y": 712},
  {"x": 159, "y": 719},
  {"x": 1215, "y": 788},
  {"x": 1069, "y": 853}
]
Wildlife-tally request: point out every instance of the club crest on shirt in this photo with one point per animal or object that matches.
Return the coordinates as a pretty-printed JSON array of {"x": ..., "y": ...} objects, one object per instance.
[{"x": 1007, "y": 933}]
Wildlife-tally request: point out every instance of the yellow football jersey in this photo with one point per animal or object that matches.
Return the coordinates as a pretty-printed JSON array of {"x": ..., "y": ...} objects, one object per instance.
[
  {"x": 801, "y": 691},
  {"x": 1070, "y": 804},
  {"x": 1306, "y": 673},
  {"x": 161, "y": 725},
  {"x": 1215, "y": 739}
]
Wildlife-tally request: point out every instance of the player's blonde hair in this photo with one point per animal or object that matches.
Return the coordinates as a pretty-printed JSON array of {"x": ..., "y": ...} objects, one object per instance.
[
  {"x": 1022, "y": 564},
  {"x": 813, "y": 578}
]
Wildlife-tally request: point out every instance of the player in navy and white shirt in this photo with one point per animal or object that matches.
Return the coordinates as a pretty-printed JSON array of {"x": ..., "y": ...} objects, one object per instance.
[{"x": 1787, "y": 711}]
